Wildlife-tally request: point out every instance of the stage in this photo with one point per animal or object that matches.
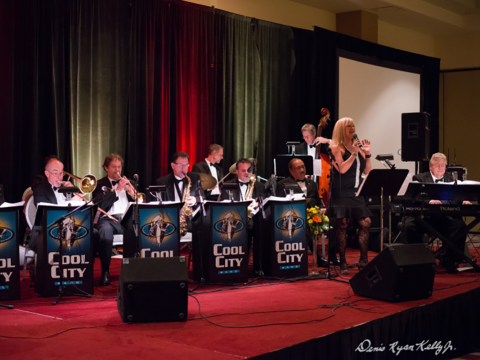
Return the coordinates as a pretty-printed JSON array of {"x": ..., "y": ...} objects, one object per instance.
[{"x": 266, "y": 319}]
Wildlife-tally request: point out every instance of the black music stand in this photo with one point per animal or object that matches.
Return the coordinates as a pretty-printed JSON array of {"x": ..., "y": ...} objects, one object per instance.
[
  {"x": 386, "y": 183},
  {"x": 280, "y": 164},
  {"x": 446, "y": 192}
]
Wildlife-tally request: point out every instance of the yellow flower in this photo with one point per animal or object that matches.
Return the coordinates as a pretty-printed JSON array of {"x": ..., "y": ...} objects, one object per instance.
[
  {"x": 315, "y": 232},
  {"x": 310, "y": 221}
]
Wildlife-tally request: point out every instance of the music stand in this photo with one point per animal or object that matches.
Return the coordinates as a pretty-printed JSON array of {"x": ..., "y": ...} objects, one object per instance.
[
  {"x": 280, "y": 164},
  {"x": 158, "y": 190},
  {"x": 384, "y": 182}
]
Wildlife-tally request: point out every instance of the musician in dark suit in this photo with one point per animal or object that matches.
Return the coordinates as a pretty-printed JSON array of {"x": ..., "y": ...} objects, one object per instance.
[
  {"x": 115, "y": 203},
  {"x": 209, "y": 166},
  {"x": 176, "y": 182},
  {"x": 309, "y": 147},
  {"x": 296, "y": 167},
  {"x": 46, "y": 190},
  {"x": 449, "y": 226},
  {"x": 244, "y": 170}
]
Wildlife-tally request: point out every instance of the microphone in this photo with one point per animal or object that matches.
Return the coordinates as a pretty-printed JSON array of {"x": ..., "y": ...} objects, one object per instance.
[
  {"x": 355, "y": 136},
  {"x": 199, "y": 189}
]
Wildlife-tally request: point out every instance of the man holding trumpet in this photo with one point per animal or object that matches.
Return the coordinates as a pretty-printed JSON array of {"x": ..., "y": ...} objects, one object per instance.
[{"x": 120, "y": 193}]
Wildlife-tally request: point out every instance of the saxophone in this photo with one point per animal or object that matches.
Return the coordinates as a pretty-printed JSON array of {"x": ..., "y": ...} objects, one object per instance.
[
  {"x": 248, "y": 195},
  {"x": 186, "y": 210}
]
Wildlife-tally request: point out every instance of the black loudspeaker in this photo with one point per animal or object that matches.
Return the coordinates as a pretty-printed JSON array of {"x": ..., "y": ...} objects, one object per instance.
[
  {"x": 400, "y": 272},
  {"x": 415, "y": 137},
  {"x": 153, "y": 290}
]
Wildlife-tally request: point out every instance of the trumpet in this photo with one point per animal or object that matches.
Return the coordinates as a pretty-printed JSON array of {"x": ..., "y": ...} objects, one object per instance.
[
  {"x": 130, "y": 189},
  {"x": 87, "y": 184}
]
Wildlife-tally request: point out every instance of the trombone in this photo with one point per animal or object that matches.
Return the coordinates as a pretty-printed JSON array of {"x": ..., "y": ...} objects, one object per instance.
[{"x": 87, "y": 184}]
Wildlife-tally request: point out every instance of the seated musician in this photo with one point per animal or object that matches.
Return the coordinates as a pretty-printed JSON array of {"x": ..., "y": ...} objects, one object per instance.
[
  {"x": 209, "y": 166},
  {"x": 449, "y": 226},
  {"x": 178, "y": 181},
  {"x": 309, "y": 147},
  {"x": 297, "y": 170},
  {"x": 244, "y": 170},
  {"x": 115, "y": 203},
  {"x": 45, "y": 190}
]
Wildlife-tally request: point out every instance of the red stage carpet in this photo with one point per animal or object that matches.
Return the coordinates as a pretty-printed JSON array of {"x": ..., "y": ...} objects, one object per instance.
[{"x": 266, "y": 319}]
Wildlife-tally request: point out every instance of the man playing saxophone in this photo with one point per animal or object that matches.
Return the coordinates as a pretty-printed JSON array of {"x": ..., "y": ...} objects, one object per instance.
[{"x": 248, "y": 186}]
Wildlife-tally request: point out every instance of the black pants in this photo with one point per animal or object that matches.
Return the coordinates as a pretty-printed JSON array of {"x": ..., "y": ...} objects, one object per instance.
[{"x": 104, "y": 231}]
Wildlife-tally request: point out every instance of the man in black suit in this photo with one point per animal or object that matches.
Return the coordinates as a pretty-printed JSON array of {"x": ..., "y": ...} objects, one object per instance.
[
  {"x": 114, "y": 203},
  {"x": 176, "y": 182},
  {"x": 309, "y": 147},
  {"x": 244, "y": 170},
  {"x": 449, "y": 226},
  {"x": 209, "y": 166},
  {"x": 297, "y": 170},
  {"x": 45, "y": 190}
]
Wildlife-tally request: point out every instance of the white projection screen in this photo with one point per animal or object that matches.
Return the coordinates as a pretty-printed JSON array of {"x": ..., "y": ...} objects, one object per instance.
[{"x": 375, "y": 98}]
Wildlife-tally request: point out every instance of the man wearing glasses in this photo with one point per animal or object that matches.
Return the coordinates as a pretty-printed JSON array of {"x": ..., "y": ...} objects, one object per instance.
[
  {"x": 47, "y": 189},
  {"x": 447, "y": 225},
  {"x": 176, "y": 182}
]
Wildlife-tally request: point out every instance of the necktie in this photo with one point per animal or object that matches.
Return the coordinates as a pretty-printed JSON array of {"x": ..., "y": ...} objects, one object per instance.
[
  {"x": 438, "y": 180},
  {"x": 312, "y": 146}
]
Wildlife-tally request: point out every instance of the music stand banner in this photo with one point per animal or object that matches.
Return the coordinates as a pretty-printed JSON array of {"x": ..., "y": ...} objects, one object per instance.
[
  {"x": 65, "y": 253},
  {"x": 159, "y": 231},
  {"x": 9, "y": 262},
  {"x": 290, "y": 254}
]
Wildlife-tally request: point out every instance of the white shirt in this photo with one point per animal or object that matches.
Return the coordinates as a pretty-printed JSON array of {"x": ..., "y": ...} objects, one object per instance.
[
  {"x": 213, "y": 171},
  {"x": 121, "y": 204}
]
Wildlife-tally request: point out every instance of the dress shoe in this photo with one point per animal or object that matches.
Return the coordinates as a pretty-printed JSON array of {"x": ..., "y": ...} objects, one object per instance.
[
  {"x": 334, "y": 261},
  {"x": 344, "y": 269},
  {"x": 322, "y": 262},
  {"x": 105, "y": 279},
  {"x": 362, "y": 263}
]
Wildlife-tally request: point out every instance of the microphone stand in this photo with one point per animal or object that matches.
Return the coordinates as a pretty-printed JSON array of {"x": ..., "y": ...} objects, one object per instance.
[
  {"x": 136, "y": 223},
  {"x": 59, "y": 221},
  {"x": 199, "y": 189}
]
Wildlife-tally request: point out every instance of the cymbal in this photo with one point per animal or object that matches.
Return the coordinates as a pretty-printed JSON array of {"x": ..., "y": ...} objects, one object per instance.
[{"x": 207, "y": 180}]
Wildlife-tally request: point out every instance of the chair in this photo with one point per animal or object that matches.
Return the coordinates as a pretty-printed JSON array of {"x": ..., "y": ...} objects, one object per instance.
[{"x": 30, "y": 211}]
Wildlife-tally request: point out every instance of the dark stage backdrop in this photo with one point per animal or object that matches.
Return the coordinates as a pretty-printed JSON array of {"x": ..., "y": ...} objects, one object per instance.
[{"x": 147, "y": 78}]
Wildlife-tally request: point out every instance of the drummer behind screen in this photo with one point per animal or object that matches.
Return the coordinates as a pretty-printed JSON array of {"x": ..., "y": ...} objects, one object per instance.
[{"x": 209, "y": 166}]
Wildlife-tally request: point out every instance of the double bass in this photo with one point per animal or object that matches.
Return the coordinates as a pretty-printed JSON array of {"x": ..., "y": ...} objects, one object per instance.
[{"x": 324, "y": 179}]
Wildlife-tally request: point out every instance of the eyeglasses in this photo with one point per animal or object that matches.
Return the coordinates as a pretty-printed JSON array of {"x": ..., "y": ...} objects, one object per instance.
[
  {"x": 183, "y": 165},
  {"x": 56, "y": 173}
]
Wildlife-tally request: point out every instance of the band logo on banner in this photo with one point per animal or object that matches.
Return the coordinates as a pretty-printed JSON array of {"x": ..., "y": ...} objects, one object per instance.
[
  {"x": 159, "y": 236},
  {"x": 9, "y": 277},
  {"x": 290, "y": 244},
  {"x": 68, "y": 247},
  {"x": 229, "y": 239}
]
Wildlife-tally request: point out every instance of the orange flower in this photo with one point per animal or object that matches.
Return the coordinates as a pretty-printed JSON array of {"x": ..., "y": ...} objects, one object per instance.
[{"x": 317, "y": 219}]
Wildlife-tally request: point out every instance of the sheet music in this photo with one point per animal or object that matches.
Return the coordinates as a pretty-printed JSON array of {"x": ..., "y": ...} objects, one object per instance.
[
  {"x": 9, "y": 205},
  {"x": 68, "y": 203}
]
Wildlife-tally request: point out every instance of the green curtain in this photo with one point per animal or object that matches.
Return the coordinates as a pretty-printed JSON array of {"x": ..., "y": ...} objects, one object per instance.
[
  {"x": 255, "y": 64},
  {"x": 99, "y": 75}
]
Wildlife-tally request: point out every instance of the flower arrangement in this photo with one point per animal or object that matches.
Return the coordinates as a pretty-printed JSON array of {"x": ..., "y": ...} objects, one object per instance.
[{"x": 317, "y": 221}]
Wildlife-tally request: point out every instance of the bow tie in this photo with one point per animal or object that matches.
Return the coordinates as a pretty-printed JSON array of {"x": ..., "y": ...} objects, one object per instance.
[
  {"x": 211, "y": 164},
  {"x": 54, "y": 188},
  {"x": 439, "y": 180},
  {"x": 242, "y": 183},
  {"x": 115, "y": 182},
  {"x": 312, "y": 146},
  {"x": 180, "y": 181},
  {"x": 297, "y": 180}
]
